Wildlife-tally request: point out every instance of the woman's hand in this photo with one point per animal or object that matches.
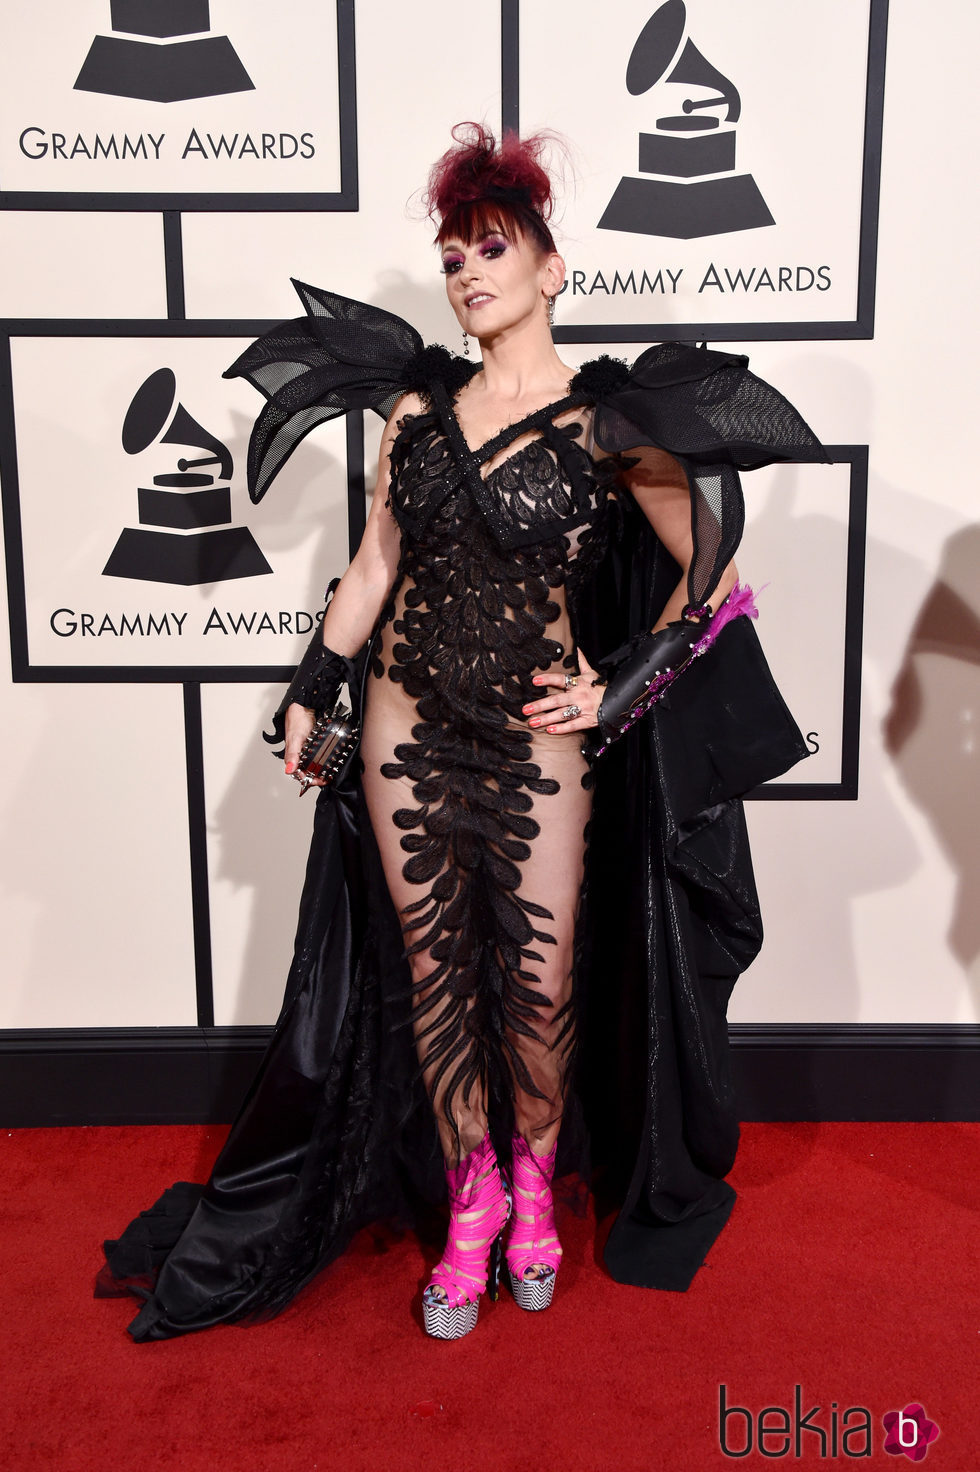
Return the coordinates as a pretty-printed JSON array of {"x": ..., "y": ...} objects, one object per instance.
[
  {"x": 299, "y": 724},
  {"x": 584, "y": 693}
]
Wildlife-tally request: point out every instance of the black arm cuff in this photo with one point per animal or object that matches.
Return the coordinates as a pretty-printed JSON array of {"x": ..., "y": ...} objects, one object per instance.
[
  {"x": 317, "y": 681},
  {"x": 633, "y": 668}
]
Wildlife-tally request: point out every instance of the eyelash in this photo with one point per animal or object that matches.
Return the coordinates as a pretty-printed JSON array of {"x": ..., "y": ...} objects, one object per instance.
[{"x": 451, "y": 267}]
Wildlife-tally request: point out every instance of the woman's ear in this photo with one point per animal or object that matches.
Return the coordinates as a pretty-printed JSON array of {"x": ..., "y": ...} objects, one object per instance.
[{"x": 554, "y": 274}]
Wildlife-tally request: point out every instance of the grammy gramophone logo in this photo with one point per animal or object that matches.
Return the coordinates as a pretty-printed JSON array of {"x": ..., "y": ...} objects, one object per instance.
[
  {"x": 184, "y": 534},
  {"x": 144, "y": 62},
  {"x": 687, "y": 185}
]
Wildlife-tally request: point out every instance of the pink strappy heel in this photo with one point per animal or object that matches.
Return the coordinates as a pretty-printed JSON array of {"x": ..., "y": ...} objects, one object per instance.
[
  {"x": 531, "y": 1239},
  {"x": 480, "y": 1205}
]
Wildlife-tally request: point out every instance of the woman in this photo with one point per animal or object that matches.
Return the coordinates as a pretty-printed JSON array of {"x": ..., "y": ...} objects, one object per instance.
[{"x": 488, "y": 557}]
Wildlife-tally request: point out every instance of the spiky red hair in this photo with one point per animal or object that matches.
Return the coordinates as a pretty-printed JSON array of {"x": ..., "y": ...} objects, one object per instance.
[{"x": 478, "y": 187}]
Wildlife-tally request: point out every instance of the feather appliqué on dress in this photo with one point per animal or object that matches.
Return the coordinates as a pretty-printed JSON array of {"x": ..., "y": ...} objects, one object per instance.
[{"x": 472, "y": 632}]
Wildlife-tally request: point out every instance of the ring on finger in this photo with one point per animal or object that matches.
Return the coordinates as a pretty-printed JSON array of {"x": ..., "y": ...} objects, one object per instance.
[
  {"x": 570, "y": 680},
  {"x": 570, "y": 712}
]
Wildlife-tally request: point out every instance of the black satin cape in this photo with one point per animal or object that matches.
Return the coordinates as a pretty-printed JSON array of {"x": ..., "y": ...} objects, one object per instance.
[{"x": 335, "y": 1132}]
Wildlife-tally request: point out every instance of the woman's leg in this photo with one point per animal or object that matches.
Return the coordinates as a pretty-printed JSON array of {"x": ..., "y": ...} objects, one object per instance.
[
  {"x": 447, "y": 955},
  {"x": 490, "y": 940},
  {"x": 551, "y": 876},
  {"x": 487, "y": 884},
  {"x": 440, "y": 1014}
]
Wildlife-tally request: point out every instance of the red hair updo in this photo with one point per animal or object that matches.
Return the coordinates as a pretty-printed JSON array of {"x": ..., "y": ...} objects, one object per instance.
[{"x": 479, "y": 187}]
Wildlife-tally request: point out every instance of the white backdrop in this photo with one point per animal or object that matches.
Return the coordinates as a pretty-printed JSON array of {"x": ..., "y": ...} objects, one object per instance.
[{"x": 870, "y": 905}]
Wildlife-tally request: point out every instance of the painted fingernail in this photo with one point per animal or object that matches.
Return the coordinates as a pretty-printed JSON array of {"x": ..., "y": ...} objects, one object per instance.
[{"x": 534, "y": 721}]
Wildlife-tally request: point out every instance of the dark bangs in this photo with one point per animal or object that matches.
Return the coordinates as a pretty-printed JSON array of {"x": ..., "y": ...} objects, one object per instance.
[{"x": 478, "y": 218}]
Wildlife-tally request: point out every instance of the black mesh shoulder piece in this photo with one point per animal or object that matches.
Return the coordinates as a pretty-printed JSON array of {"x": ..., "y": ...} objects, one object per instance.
[
  {"x": 705, "y": 408},
  {"x": 342, "y": 355}
]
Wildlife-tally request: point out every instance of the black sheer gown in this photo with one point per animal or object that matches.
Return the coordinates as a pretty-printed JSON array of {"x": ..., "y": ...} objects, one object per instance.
[{"x": 563, "y": 930}]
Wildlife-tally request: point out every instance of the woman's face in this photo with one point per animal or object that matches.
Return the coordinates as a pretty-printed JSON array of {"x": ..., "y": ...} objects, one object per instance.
[{"x": 497, "y": 282}]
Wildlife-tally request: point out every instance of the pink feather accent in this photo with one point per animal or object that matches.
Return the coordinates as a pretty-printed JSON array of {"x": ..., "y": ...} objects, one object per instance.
[
  {"x": 739, "y": 603},
  {"x": 741, "y": 600}
]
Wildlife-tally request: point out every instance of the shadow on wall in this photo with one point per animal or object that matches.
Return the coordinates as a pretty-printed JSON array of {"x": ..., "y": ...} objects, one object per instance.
[
  {"x": 932, "y": 729},
  {"x": 852, "y": 851},
  {"x": 259, "y": 831},
  {"x": 868, "y": 881},
  {"x": 259, "y": 835}
]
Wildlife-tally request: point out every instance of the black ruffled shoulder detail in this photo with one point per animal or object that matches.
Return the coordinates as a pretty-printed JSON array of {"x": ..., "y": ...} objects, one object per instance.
[
  {"x": 703, "y": 404},
  {"x": 600, "y": 376},
  {"x": 716, "y": 418},
  {"x": 436, "y": 364}
]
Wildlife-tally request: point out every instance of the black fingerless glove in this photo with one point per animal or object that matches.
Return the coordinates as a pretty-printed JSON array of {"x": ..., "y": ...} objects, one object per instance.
[
  {"x": 637, "y": 671},
  {"x": 315, "y": 685}
]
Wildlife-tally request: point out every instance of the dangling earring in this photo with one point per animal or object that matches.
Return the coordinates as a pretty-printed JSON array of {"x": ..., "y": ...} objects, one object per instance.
[
  {"x": 466, "y": 343},
  {"x": 551, "y": 311}
]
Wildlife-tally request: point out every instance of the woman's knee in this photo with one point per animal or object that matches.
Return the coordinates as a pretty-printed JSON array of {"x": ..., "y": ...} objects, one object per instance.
[{"x": 553, "y": 985}]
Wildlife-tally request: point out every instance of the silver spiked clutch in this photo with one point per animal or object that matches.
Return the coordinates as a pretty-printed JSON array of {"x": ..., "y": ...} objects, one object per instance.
[{"x": 334, "y": 736}]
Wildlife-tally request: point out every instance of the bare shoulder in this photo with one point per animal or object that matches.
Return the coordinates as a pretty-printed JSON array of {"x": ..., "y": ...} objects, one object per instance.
[
  {"x": 404, "y": 409},
  {"x": 410, "y": 402}
]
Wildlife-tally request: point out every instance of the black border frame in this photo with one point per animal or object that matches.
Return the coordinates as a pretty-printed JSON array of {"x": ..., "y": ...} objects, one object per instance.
[
  {"x": 856, "y": 558},
  {"x": 346, "y": 198},
  {"x": 22, "y": 670},
  {"x": 191, "y": 677},
  {"x": 861, "y": 326}
]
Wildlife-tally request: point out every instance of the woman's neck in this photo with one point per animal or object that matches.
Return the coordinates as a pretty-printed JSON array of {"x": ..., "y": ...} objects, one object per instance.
[{"x": 519, "y": 363}]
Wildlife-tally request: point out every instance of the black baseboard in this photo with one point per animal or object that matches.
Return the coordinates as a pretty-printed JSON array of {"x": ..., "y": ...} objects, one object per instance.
[
  {"x": 891, "y": 1071},
  {"x": 198, "y": 1075},
  {"x": 120, "y": 1075}
]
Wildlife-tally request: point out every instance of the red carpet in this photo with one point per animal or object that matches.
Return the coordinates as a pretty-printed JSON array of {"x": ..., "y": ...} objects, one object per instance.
[{"x": 848, "y": 1268}]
